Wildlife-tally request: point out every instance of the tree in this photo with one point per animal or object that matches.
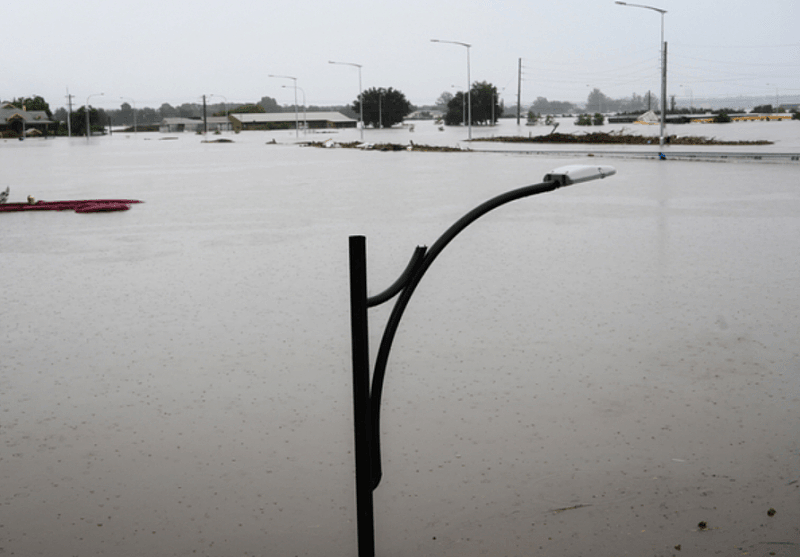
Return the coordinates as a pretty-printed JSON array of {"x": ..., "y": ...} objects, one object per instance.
[
  {"x": 125, "y": 115},
  {"x": 485, "y": 108},
  {"x": 542, "y": 106},
  {"x": 190, "y": 110},
  {"x": 148, "y": 115},
  {"x": 597, "y": 101},
  {"x": 60, "y": 115},
  {"x": 78, "y": 120},
  {"x": 33, "y": 103},
  {"x": 443, "y": 100},
  {"x": 383, "y": 107},
  {"x": 269, "y": 104},
  {"x": 167, "y": 111},
  {"x": 456, "y": 111},
  {"x": 763, "y": 109},
  {"x": 246, "y": 108}
]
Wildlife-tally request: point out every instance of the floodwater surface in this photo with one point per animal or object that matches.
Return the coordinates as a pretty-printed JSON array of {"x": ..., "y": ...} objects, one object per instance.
[{"x": 593, "y": 371}]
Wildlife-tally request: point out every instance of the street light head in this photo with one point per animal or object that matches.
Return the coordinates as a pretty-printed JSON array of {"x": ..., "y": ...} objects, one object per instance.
[
  {"x": 576, "y": 173},
  {"x": 621, "y": 3}
]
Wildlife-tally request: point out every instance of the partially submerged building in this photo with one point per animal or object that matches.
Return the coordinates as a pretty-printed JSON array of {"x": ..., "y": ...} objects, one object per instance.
[
  {"x": 21, "y": 122},
  {"x": 288, "y": 120},
  {"x": 215, "y": 123}
]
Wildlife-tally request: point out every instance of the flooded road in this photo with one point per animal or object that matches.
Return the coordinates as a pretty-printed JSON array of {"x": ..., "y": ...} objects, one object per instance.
[{"x": 596, "y": 370}]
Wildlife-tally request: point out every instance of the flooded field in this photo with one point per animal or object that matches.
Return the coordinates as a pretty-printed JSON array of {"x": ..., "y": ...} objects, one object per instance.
[{"x": 593, "y": 371}]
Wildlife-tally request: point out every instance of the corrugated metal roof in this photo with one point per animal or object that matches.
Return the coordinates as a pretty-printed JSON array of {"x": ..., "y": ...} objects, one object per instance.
[
  {"x": 194, "y": 121},
  {"x": 275, "y": 117}
]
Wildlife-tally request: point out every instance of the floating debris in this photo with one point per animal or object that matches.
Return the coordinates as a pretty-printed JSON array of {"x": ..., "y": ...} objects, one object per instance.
[
  {"x": 615, "y": 139},
  {"x": 384, "y": 146},
  {"x": 556, "y": 511}
]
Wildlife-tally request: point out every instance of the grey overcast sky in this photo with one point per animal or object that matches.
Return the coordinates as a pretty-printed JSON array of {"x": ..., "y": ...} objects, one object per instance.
[{"x": 157, "y": 51}]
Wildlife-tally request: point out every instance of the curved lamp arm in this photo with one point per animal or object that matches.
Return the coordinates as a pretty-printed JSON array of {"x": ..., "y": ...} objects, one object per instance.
[
  {"x": 366, "y": 400},
  {"x": 421, "y": 262}
]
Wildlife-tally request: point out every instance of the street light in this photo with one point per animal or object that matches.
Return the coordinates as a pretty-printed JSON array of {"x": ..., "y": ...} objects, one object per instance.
[
  {"x": 88, "y": 128},
  {"x": 305, "y": 118},
  {"x": 296, "y": 117},
  {"x": 663, "y": 66},
  {"x": 469, "y": 88},
  {"x": 360, "y": 97},
  {"x": 134, "y": 111},
  {"x": 366, "y": 400}
]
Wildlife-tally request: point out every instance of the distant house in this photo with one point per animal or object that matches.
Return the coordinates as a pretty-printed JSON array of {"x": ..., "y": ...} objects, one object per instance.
[
  {"x": 17, "y": 121},
  {"x": 172, "y": 125},
  {"x": 287, "y": 120}
]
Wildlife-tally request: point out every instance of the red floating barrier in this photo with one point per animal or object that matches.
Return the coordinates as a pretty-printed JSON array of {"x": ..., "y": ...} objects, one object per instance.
[{"x": 79, "y": 206}]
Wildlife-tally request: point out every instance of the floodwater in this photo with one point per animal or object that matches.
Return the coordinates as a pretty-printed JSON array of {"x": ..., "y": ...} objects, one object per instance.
[{"x": 594, "y": 371}]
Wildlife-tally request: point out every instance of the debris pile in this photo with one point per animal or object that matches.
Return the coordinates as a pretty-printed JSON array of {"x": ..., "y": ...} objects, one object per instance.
[{"x": 617, "y": 139}]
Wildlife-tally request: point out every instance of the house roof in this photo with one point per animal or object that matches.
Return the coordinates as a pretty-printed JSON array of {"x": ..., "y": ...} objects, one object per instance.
[
  {"x": 275, "y": 117},
  {"x": 30, "y": 116}
]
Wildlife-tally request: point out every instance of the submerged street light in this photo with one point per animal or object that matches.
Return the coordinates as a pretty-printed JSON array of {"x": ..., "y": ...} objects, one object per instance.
[
  {"x": 305, "y": 115},
  {"x": 366, "y": 399},
  {"x": 360, "y": 95},
  {"x": 296, "y": 117},
  {"x": 663, "y": 67},
  {"x": 469, "y": 86}
]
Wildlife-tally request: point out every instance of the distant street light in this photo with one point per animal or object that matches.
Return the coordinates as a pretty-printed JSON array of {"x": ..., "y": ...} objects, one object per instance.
[
  {"x": 663, "y": 66},
  {"x": 134, "y": 111},
  {"x": 469, "y": 86},
  {"x": 360, "y": 96},
  {"x": 88, "y": 127},
  {"x": 366, "y": 400},
  {"x": 296, "y": 117}
]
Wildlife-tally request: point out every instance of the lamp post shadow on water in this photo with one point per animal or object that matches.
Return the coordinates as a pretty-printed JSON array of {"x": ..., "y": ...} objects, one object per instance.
[{"x": 366, "y": 398}]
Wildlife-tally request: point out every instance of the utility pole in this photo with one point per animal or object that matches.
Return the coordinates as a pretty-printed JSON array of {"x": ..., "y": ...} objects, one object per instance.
[
  {"x": 205, "y": 119},
  {"x": 519, "y": 90},
  {"x": 69, "y": 113}
]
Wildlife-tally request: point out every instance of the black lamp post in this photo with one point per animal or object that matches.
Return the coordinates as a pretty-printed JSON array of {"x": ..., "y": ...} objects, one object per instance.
[{"x": 366, "y": 400}]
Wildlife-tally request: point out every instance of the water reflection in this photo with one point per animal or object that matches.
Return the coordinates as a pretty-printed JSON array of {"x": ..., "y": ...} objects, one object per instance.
[{"x": 598, "y": 368}]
